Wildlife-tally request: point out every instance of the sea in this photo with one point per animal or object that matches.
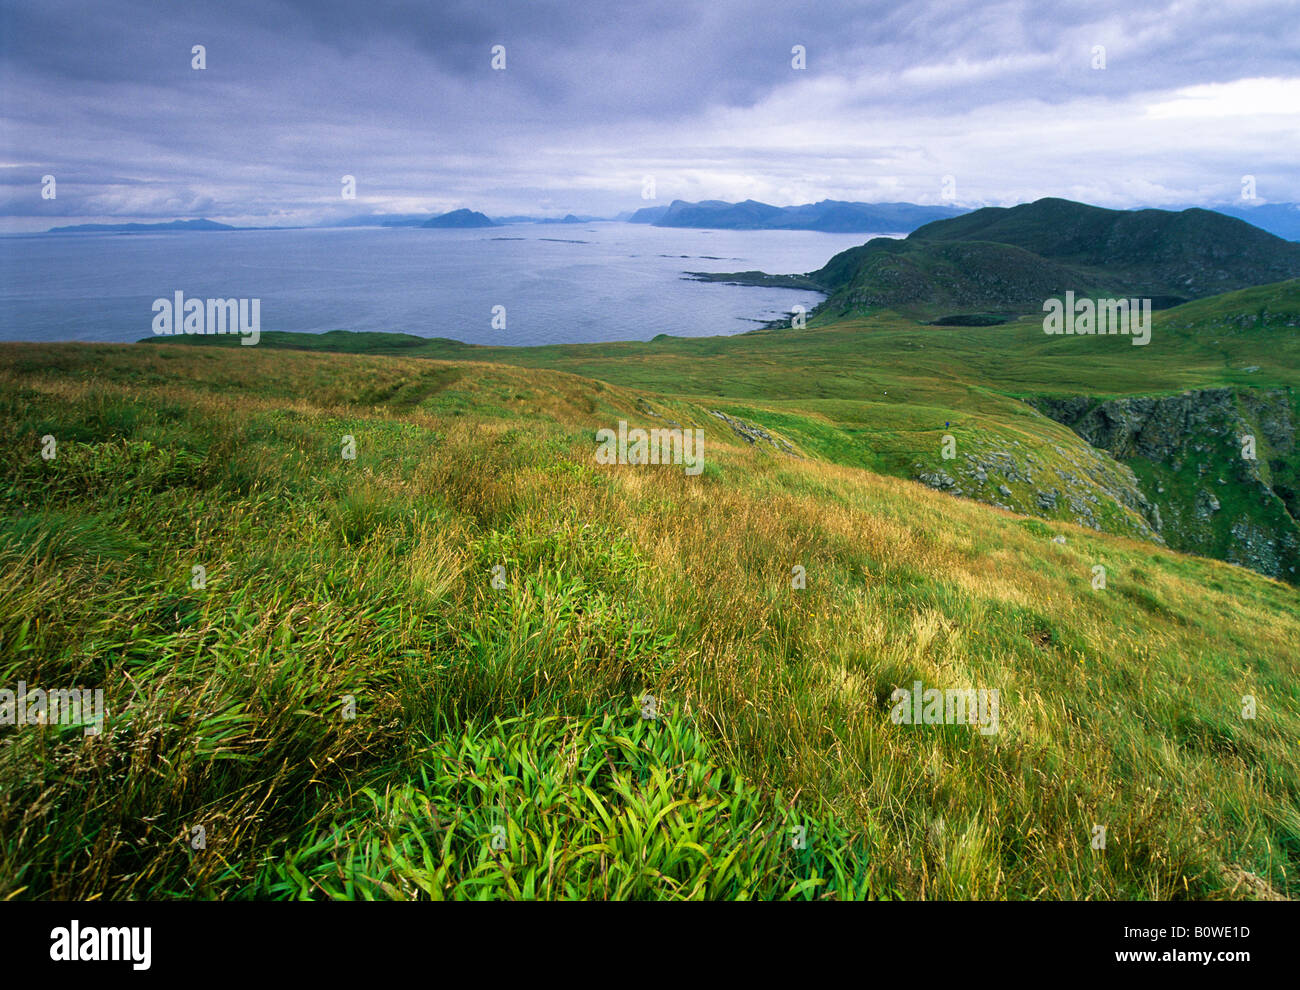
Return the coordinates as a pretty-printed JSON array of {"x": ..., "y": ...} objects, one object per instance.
[{"x": 520, "y": 284}]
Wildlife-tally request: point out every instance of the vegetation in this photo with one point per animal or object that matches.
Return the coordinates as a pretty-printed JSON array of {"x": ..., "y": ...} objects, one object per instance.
[
  {"x": 881, "y": 392},
  {"x": 1011, "y": 259},
  {"x": 513, "y": 698}
]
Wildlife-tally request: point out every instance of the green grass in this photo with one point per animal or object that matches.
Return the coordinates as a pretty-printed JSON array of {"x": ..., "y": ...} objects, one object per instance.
[
  {"x": 625, "y": 807},
  {"x": 369, "y": 582},
  {"x": 1197, "y": 345},
  {"x": 881, "y": 392}
]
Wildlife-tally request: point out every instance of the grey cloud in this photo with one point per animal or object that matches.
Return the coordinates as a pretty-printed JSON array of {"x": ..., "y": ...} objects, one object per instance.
[{"x": 300, "y": 92}]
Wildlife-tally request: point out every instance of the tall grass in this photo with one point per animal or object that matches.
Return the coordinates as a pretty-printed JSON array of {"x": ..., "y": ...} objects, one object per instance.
[{"x": 351, "y": 705}]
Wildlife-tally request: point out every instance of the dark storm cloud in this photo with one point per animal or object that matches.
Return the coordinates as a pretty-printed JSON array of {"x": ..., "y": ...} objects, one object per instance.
[{"x": 702, "y": 96}]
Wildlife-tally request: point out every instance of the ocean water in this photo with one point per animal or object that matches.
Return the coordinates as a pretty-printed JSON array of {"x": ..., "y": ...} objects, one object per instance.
[{"x": 559, "y": 283}]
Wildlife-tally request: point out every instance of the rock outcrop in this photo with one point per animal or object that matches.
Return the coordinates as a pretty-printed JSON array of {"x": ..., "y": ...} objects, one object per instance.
[
  {"x": 1218, "y": 467},
  {"x": 751, "y": 433},
  {"x": 1082, "y": 485}
]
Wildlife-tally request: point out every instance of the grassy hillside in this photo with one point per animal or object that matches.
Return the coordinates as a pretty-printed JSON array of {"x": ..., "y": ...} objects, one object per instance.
[
  {"x": 881, "y": 392},
  {"x": 1206, "y": 343},
  {"x": 1010, "y": 259},
  {"x": 511, "y": 710},
  {"x": 941, "y": 280}
]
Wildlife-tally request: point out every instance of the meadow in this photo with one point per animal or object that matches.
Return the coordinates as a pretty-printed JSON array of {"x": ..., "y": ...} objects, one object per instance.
[{"x": 424, "y": 672}]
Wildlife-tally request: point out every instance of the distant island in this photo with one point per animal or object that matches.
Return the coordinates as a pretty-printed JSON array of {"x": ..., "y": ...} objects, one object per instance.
[
  {"x": 460, "y": 218},
  {"x": 568, "y": 218},
  {"x": 136, "y": 228},
  {"x": 423, "y": 220}
]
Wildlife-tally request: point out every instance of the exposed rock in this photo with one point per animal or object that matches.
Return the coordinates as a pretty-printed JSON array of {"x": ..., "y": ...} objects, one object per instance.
[
  {"x": 1094, "y": 491},
  {"x": 1206, "y": 504},
  {"x": 646, "y": 408},
  {"x": 938, "y": 479},
  {"x": 1180, "y": 442},
  {"x": 752, "y": 434}
]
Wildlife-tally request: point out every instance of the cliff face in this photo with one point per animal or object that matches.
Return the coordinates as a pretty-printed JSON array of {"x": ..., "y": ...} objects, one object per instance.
[
  {"x": 1074, "y": 483},
  {"x": 1192, "y": 457}
]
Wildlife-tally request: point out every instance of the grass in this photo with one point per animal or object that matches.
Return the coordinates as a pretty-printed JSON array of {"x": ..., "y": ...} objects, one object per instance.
[
  {"x": 881, "y": 392},
  {"x": 1201, "y": 344},
  {"x": 393, "y": 655},
  {"x": 621, "y": 808}
]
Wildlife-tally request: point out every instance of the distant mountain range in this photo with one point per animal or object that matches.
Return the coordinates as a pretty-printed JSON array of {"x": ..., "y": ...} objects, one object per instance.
[
  {"x": 134, "y": 228},
  {"x": 457, "y": 218},
  {"x": 831, "y": 216},
  {"x": 568, "y": 218},
  {"x": 379, "y": 220},
  {"x": 1008, "y": 260},
  {"x": 1282, "y": 219}
]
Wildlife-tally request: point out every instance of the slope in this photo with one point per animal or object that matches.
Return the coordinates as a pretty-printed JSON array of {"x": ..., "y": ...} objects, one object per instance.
[
  {"x": 372, "y": 579},
  {"x": 1010, "y": 259}
]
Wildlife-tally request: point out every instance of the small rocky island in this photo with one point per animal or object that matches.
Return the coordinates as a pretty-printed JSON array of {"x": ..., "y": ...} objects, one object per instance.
[{"x": 460, "y": 218}]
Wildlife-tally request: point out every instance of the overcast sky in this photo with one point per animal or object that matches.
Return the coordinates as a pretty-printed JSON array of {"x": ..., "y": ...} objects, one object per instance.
[{"x": 702, "y": 95}]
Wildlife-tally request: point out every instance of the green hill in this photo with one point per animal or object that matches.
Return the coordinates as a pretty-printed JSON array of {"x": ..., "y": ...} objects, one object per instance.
[
  {"x": 1011, "y": 259},
  {"x": 948, "y": 278}
]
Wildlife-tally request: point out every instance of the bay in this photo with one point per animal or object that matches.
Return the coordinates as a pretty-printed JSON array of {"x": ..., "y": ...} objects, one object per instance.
[{"x": 559, "y": 283}]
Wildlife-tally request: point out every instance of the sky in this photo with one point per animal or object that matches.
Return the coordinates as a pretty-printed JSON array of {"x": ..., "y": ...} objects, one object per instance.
[{"x": 603, "y": 108}]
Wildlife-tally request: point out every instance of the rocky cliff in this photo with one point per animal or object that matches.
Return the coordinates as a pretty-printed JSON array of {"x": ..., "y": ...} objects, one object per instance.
[
  {"x": 1077, "y": 484},
  {"x": 1220, "y": 468}
]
